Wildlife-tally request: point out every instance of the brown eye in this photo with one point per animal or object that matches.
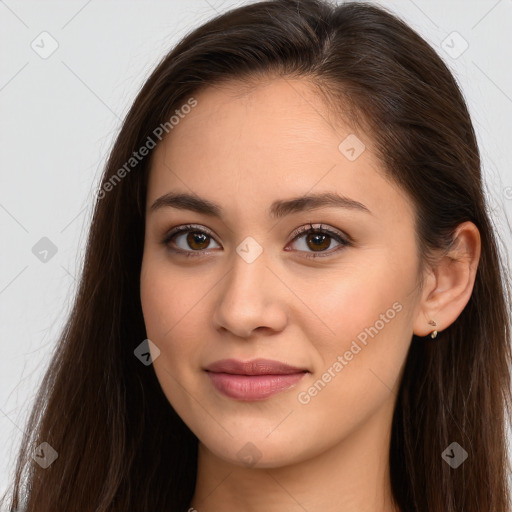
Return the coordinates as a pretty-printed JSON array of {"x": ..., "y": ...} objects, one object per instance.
[
  {"x": 317, "y": 240},
  {"x": 197, "y": 240},
  {"x": 188, "y": 240},
  {"x": 191, "y": 241}
]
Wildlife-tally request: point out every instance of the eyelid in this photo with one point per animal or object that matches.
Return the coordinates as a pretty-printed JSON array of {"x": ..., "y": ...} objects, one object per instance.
[
  {"x": 189, "y": 227},
  {"x": 321, "y": 228}
]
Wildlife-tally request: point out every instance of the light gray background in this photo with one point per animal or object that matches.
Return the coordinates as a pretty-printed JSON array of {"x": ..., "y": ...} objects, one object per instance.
[{"x": 60, "y": 114}]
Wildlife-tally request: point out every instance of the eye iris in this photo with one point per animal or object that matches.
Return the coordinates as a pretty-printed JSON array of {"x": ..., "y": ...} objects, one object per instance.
[
  {"x": 318, "y": 241},
  {"x": 196, "y": 237}
]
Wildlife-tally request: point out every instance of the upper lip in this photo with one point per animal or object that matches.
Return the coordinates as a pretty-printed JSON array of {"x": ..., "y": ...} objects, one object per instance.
[{"x": 253, "y": 367}]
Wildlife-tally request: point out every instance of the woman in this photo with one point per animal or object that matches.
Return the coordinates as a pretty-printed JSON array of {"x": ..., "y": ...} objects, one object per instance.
[{"x": 292, "y": 296}]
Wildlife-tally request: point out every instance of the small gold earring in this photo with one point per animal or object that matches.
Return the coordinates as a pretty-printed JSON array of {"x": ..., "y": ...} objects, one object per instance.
[{"x": 433, "y": 334}]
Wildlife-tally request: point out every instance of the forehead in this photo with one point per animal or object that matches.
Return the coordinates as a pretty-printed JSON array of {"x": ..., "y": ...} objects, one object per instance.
[
  {"x": 274, "y": 139},
  {"x": 267, "y": 113}
]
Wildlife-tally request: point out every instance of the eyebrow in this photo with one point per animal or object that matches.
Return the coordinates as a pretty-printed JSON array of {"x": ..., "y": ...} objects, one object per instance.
[{"x": 278, "y": 209}]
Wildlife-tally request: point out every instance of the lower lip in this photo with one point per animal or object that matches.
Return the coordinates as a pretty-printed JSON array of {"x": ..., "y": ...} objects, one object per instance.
[{"x": 253, "y": 387}]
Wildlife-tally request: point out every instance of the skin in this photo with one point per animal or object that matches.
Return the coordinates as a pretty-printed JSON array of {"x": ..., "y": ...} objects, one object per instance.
[{"x": 244, "y": 150}]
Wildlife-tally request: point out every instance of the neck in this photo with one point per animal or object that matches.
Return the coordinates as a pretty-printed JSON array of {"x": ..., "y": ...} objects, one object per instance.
[{"x": 352, "y": 476}]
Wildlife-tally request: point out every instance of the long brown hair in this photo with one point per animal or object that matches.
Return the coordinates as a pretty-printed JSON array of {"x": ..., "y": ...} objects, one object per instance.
[{"x": 120, "y": 444}]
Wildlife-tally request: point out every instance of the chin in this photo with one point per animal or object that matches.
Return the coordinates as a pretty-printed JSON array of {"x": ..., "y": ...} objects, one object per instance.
[{"x": 259, "y": 452}]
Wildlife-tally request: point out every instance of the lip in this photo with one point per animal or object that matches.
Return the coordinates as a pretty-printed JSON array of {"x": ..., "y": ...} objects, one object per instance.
[
  {"x": 253, "y": 380},
  {"x": 253, "y": 367}
]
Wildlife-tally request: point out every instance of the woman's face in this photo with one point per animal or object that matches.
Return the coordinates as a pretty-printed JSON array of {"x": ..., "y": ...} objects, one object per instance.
[{"x": 243, "y": 283}]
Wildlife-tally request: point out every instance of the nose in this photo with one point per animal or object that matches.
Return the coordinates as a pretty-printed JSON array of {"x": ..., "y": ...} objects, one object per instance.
[{"x": 251, "y": 298}]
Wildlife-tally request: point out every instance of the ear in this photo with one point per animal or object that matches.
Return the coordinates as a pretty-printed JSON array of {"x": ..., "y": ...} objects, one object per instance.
[{"x": 448, "y": 285}]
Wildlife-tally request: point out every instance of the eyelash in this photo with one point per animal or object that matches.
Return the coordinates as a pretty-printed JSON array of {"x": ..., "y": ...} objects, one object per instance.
[{"x": 303, "y": 230}]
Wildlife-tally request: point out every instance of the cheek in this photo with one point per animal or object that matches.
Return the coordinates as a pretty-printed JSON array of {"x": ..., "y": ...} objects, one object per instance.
[
  {"x": 368, "y": 312},
  {"x": 167, "y": 302},
  {"x": 355, "y": 304},
  {"x": 359, "y": 365},
  {"x": 166, "y": 294},
  {"x": 175, "y": 309},
  {"x": 170, "y": 308}
]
